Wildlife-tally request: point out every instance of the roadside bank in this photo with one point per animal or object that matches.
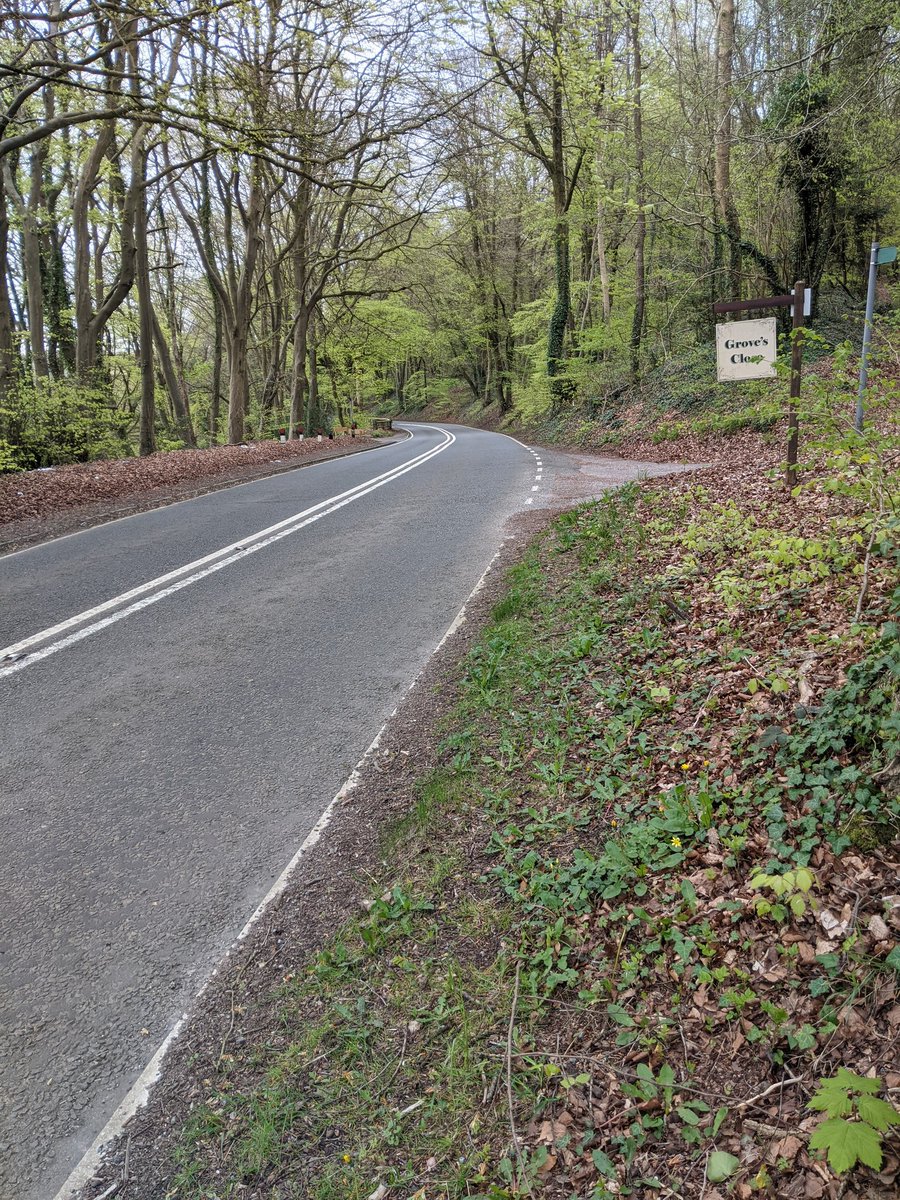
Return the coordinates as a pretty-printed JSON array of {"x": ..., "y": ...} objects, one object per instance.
[{"x": 627, "y": 925}]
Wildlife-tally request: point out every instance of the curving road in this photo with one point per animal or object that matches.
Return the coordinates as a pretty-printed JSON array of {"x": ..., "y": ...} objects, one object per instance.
[
  {"x": 165, "y": 751},
  {"x": 182, "y": 692}
]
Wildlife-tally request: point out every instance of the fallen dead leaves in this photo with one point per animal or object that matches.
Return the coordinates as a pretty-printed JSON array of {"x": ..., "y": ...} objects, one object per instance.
[
  {"x": 35, "y": 494},
  {"x": 815, "y": 1018}
]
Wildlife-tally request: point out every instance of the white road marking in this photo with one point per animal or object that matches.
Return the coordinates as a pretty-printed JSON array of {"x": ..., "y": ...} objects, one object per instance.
[
  {"x": 306, "y": 466},
  {"x": 139, "y": 1093},
  {"x": 199, "y": 569},
  {"x": 535, "y": 488}
]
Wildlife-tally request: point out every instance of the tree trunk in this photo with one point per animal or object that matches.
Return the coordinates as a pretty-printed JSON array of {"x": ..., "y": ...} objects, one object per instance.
[
  {"x": 174, "y": 385},
  {"x": 724, "y": 196},
  {"x": 34, "y": 267},
  {"x": 62, "y": 339},
  {"x": 640, "y": 225},
  {"x": 276, "y": 351},
  {"x": 205, "y": 217},
  {"x": 299, "y": 278},
  {"x": 238, "y": 334},
  {"x": 85, "y": 338},
  {"x": 559, "y": 319},
  {"x": 216, "y": 383},
  {"x": 316, "y": 416},
  {"x": 603, "y": 266},
  {"x": 299, "y": 382},
  {"x": 560, "y": 315},
  {"x": 90, "y": 326},
  {"x": 170, "y": 356},
  {"x": 146, "y": 315},
  {"x": 238, "y": 381},
  {"x": 29, "y": 209},
  {"x": 7, "y": 358}
]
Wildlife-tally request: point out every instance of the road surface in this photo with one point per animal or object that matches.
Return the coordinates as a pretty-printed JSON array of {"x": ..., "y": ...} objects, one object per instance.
[
  {"x": 181, "y": 694},
  {"x": 158, "y": 773}
]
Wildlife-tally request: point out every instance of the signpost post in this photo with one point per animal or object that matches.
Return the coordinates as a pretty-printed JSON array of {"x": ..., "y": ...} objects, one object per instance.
[
  {"x": 755, "y": 362},
  {"x": 879, "y": 256},
  {"x": 796, "y": 368}
]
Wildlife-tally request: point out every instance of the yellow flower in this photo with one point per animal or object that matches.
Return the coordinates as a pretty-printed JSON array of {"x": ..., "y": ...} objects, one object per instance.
[
  {"x": 346, "y": 1158},
  {"x": 685, "y": 766},
  {"x": 676, "y": 842}
]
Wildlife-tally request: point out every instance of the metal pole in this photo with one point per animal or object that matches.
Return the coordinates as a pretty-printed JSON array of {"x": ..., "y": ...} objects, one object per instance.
[
  {"x": 867, "y": 337},
  {"x": 796, "y": 369}
]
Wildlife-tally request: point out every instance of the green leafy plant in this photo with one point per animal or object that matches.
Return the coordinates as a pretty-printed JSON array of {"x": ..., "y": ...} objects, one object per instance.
[
  {"x": 791, "y": 891},
  {"x": 857, "y": 1119},
  {"x": 721, "y": 1166}
]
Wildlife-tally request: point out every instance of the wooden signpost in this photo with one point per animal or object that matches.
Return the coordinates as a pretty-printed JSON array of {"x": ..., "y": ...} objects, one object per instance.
[{"x": 755, "y": 362}]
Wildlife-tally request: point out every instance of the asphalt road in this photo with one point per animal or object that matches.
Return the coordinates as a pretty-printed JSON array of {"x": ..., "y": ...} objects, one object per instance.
[
  {"x": 159, "y": 771},
  {"x": 182, "y": 692}
]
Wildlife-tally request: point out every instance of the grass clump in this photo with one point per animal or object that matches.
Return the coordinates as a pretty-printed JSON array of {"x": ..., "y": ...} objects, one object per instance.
[{"x": 632, "y": 924}]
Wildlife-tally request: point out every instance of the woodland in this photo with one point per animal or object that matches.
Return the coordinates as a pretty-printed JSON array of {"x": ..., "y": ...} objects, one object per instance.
[
  {"x": 223, "y": 219},
  {"x": 624, "y": 917}
]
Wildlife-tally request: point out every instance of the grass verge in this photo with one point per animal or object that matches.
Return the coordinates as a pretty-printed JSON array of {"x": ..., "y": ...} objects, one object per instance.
[{"x": 641, "y": 932}]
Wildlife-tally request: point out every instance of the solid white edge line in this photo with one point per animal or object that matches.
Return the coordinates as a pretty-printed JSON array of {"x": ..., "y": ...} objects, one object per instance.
[
  {"x": 323, "y": 462},
  {"x": 281, "y": 530},
  {"x": 150, "y": 584},
  {"x": 514, "y": 439},
  {"x": 139, "y": 1092}
]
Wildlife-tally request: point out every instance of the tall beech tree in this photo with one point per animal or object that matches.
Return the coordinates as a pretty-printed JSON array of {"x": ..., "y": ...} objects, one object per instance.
[
  {"x": 217, "y": 221},
  {"x": 527, "y": 47}
]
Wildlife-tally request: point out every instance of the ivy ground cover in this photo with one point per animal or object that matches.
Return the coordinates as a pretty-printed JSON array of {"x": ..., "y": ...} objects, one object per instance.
[{"x": 639, "y": 936}]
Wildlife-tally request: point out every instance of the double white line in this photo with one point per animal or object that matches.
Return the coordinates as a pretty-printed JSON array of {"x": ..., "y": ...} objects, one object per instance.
[{"x": 49, "y": 641}]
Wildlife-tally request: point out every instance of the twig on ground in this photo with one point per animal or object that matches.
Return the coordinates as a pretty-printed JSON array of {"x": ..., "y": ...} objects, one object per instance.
[
  {"x": 683, "y": 1042},
  {"x": 111, "y": 1190},
  {"x": 387, "y": 1083},
  {"x": 775, "y": 1087},
  {"x": 227, "y": 1035},
  {"x": 410, "y": 1108},
  {"x": 509, "y": 1089},
  {"x": 702, "y": 708},
  {"x": 616, "y": 1068},
  {"x": 763, "y": 1127}
]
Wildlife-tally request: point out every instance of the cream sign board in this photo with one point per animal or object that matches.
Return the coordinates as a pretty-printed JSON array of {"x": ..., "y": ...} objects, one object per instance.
[{"x": 746, "y": 350}]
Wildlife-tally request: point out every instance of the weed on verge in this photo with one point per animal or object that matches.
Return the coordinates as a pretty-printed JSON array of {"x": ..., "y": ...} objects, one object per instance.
[{"x": 641, "y": 938}]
